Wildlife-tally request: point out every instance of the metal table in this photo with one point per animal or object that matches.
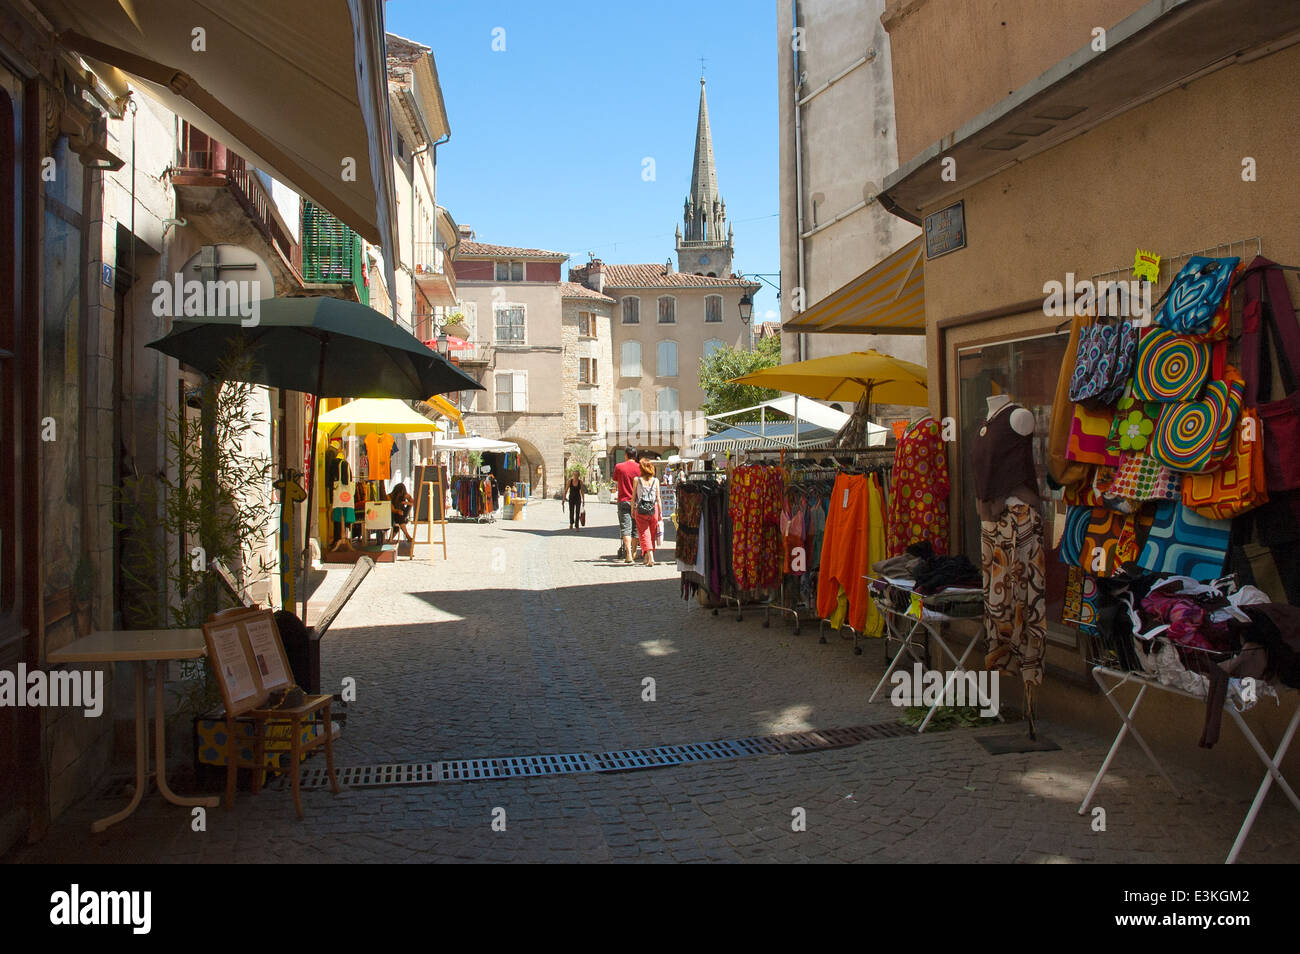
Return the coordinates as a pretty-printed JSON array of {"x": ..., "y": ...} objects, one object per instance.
[
  {"x": 925, "y": 623},
  {"x": 1274, "y": 773},
  {"x": 141, "y": 647}
]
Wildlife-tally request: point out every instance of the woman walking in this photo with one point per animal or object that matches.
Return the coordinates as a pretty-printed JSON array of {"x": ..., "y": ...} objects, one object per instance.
[
  {"x": 649, "y": 509},
  {"x": 575, "y": 500}
]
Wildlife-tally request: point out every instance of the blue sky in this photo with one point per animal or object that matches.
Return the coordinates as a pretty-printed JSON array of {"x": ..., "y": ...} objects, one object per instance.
[{"x": 548, "y": 137}]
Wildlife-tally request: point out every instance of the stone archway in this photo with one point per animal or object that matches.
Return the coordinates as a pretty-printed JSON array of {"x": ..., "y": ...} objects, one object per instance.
[{"x": 534, "y": 469}]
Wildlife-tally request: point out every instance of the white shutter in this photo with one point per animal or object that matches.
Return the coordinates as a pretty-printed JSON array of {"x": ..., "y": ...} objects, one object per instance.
[
  {"x": 521, "y": 391},
  {"x": 667, "y": 359},
  {"x": 631, "y": 359},
  {"x": 504, "y": 391}
]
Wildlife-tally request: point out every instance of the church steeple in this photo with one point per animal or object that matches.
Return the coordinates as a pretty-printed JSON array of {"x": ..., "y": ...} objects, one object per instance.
[{"x": 706, "y": 246}]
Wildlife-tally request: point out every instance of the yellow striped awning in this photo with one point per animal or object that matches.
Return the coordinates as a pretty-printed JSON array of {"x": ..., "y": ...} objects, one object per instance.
[{"x": 887, "y": 299}]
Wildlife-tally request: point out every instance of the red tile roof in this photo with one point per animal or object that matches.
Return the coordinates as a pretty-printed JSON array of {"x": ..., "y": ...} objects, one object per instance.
[
  {"x": 467, "y": 248},
  {"x": 574, "y": 290},
  {"x": 654, "y": 276}
]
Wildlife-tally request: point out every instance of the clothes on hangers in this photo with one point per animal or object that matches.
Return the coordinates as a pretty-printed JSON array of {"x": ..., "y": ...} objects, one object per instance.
[
  {"x": 380, "y": 449},
  {"x": 756, "y": 494},
  {"x": 919, "y": 490},
  {"x": 854, "y": 540}
]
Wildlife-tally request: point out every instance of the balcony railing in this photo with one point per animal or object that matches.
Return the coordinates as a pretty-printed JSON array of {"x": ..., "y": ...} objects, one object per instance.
[{"x": 216, "y": 162}]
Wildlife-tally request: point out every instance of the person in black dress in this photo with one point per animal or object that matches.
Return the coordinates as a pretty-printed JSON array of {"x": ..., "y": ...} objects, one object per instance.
[{"x": 575, "y": 501}]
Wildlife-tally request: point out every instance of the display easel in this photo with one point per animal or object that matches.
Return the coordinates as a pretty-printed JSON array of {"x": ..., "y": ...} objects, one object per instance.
[{"x": 426, "y": 494}]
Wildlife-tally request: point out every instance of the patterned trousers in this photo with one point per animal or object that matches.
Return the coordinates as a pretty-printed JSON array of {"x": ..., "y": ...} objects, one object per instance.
[{"x": 1015, "y": 592}]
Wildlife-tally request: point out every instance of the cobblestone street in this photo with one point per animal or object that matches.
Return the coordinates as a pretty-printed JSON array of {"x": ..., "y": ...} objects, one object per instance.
[{"x": 531, "y": 640}]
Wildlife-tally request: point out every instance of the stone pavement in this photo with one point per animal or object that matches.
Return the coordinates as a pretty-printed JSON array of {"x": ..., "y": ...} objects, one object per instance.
[{"x": 532, "y": 640}]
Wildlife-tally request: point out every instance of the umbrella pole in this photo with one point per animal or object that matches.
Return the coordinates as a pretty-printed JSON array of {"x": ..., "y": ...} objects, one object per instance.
[{"x": 311, "y": 484}]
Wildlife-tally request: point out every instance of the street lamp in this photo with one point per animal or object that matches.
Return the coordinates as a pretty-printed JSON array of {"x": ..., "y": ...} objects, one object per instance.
[
  {"x": 442, "y": 343},
  {"x": 746, "y": 308}
]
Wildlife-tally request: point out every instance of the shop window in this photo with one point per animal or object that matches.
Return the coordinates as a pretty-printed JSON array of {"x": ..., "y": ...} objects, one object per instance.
[
  {"x": 630, "y": 366},
  {"x": 1027, "y": 370},
  {"x": 631, "y": 310},
  {"x": 713, "y": 308}
]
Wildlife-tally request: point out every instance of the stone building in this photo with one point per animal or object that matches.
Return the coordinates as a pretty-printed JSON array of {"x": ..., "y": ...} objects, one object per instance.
[{"x": 542, "y": 349}]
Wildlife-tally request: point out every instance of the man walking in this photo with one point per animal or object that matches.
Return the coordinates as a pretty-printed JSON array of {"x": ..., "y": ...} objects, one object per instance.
[{"x": 625, "y": 475}]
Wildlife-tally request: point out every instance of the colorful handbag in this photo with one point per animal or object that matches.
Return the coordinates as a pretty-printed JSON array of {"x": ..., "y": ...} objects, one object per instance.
[
  {"x": 1195, "y": 295},
  {"x": 1076, "y": 528},
  {"x": 1060, "y": 468},
  {"x": 1103, "y": 363},
  {"x": 1239, "y": 484},
  {"x": 1170, "y": 367},
  {"x": 1183, "y": 542},
  {"x": 1089, "y": 431},
  {"x": 1267, "y": 304},
  {"x": 1188, "y": 432},
  {"x": 1110, "y": 541},
  {"x": 1135, "y": 422},
  {"x": 1141, "y": 478}
]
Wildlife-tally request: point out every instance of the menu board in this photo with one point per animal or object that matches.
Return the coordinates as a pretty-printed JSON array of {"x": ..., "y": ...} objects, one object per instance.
[
  {"x": 267, "y": 654},
  {"x": 246, "y": 654},
  {"x": 231, "y": 663}
]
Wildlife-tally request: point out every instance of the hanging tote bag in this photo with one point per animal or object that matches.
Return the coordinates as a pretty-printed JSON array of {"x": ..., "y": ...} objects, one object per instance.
[
  {"x": 343, "y": 498},
  {"x": 1267, "y": 305},
  {"x": 1184, "y": 543},
  {"x": 1135, "y": 422},
  {"x": 1196, "y": 294},
  {"x": 1239, "y": 484},
  {"x": 1089, "y": 432},
  {"x": 1140, "y": 478},
  {"x": 1060, "y": 467},
  {"x": 1188, "y": 432},
  {"x": 1170, "y": 367},
  {"x": 1103, "y": 363}
]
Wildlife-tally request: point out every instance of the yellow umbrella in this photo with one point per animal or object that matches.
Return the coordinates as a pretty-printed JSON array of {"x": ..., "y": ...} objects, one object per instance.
[
  {"x": 876, "y": 377},
  {"x": 376, "y": 416}
]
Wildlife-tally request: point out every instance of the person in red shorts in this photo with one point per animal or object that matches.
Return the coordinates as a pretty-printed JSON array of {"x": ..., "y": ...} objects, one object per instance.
[{"x": 625, "y": 476}]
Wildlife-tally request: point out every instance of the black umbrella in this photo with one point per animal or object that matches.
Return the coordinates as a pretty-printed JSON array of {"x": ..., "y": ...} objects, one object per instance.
[{"x": 328, "y": 347}]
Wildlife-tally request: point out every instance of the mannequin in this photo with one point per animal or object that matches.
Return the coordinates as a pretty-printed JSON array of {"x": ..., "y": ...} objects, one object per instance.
[{"x": 1011, "y": 543}]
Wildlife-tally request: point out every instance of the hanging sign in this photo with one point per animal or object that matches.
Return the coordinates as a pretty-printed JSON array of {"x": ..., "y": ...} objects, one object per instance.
[{"x": 945, "y": 230}]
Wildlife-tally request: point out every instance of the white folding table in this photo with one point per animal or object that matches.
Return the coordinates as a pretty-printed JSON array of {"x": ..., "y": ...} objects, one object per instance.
[
  {"x": 920, "y": 622},
  {"x": 1119, "y": 677}
]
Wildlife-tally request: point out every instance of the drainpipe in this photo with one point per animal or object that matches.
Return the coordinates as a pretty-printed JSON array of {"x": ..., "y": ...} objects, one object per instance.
[{"x": 798, "y": 177}]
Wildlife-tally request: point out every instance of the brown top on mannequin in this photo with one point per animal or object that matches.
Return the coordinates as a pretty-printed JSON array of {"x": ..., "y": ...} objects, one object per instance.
[{"x": 1017, "y": 484}]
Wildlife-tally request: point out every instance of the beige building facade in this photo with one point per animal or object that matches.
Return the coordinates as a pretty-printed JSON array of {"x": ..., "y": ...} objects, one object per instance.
[
  {"x": 1042, "y": 200},
  {"x": 838, "y": 142}
]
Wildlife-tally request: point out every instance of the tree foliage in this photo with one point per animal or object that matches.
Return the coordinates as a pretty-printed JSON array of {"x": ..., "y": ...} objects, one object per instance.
[{"x": 726, "y": 363}]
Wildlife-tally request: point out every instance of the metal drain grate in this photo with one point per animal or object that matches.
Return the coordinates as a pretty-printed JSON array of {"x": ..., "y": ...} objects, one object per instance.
[
  {"x": 470, "y": 770},
  {"x": 622, "y": 760}
]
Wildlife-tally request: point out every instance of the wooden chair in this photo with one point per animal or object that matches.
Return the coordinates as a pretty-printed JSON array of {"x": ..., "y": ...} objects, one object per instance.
[{"x": 245, "y": 652}]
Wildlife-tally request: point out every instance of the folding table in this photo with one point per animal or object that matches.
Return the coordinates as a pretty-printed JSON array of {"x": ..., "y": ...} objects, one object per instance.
[
  {"x": 141, "y": 647},
  {"x": 1119, "y": 677},
  {"x": 921, "y": 622}
]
